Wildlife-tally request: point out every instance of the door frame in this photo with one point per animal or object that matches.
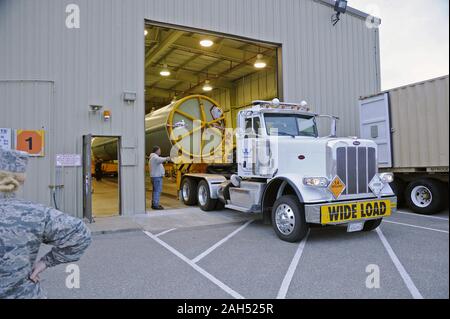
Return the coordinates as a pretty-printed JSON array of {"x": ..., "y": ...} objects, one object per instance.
[
  {"x": 384, "y": 99},
  {"x": 87, "y": 174}
]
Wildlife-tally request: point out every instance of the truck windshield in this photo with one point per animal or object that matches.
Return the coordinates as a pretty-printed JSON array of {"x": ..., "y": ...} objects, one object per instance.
[{"x": 290, "y": 125}]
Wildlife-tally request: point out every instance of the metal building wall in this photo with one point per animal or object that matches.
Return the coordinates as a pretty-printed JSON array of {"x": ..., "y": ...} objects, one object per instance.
[{"x": 330, "y": 67}]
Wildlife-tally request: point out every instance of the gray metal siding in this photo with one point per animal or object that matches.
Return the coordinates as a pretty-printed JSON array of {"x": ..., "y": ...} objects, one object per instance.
[
  {"x": 330, "y": 67},
  {"x": 32, "y": 102}
]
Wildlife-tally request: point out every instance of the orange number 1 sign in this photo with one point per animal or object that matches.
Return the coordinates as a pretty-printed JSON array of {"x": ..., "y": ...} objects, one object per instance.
[{"x": 31, "y": 142}]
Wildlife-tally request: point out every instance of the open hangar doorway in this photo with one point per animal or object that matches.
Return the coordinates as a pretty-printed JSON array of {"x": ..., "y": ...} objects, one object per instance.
[
  {"x": 101, "y": 170},
  {"x": 184, "y": 64}
]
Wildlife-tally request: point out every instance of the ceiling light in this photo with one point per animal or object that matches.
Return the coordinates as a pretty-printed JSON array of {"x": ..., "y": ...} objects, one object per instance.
[
  {"x": 207, "y": 87},
  {"x": 165, "y": 71},
  {"x": 206, "y": 43},
  {"x": 260, "y": 63}
]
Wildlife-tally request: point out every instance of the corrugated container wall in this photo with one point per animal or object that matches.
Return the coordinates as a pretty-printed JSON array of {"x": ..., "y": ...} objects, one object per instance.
[
  {"x": 328, "y": 66},
  {"x": 420, "y": 119}
]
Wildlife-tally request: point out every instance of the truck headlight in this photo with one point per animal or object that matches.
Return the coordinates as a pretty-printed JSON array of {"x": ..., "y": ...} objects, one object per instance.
[
  {"x": 387, "y": 178},
  {"x": 316, "y": 181}
]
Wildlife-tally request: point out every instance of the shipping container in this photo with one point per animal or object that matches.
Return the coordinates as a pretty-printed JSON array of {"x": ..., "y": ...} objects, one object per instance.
[{"x": 410, "y": 124}]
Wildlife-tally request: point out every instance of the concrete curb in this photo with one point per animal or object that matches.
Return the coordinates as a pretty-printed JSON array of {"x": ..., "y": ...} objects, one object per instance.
[{"x": 115, "y": 231}]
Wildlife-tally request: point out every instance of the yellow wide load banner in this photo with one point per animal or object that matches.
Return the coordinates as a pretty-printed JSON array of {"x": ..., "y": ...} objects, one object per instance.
[{"x": 347, "y": 212}]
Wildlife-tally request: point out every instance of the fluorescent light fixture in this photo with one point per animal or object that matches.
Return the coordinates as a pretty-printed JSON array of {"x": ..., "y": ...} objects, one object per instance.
[
  {"x": 206, "y": 43},
  {"x": 260, "y": 63},
  {"x": 165, "y": 71},
  {"x": 207, "y": 87}
]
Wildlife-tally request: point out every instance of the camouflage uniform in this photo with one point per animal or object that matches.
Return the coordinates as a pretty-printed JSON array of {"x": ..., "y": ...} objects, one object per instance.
[{"x": 24, "y": 226}]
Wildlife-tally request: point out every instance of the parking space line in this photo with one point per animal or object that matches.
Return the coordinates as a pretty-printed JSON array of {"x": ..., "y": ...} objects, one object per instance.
[
  {"x": 403, "y": 273},
  {"x": 415, "y": 226},
  {"x": 291, "y": 270},
  {"x": 197, "y": 268},
  {"x": 219, "y": 243},
  {"x": 425, "y": 216},
  {"x": 165, "y": 232}
]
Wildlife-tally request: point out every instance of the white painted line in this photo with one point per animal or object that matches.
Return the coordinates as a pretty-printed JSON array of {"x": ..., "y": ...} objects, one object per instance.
[
  {"x": 415, "y": 226},
  {"x": 419, "y": 215},
  {"x": 291, "y": 270},
  {"x": 221, "y": 242},
  {"x": 405, "y": 276},
  {"x": 165, "y": 232},
  {"x": 203, "y": 272}
]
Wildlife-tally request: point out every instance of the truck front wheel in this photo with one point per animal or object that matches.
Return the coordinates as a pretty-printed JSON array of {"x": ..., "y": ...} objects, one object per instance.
[
  {"x": 399, "y": 186},
  {"x": 288, "y": 219},
  {"x": 372, "y": 224},
  {"x": 425, "y": 196}
]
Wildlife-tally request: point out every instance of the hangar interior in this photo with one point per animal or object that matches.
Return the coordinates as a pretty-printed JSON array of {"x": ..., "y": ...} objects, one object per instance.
[
  {"x": 182, "y": 62},
  {"x": 105, "y": 171}
]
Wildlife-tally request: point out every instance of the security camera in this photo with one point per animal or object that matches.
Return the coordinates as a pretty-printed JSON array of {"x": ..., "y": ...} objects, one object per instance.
[{"x": 95, "y": 108}]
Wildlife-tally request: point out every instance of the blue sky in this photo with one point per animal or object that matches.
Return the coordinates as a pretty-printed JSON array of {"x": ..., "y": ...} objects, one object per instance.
[{"x": 414, "y": 38}]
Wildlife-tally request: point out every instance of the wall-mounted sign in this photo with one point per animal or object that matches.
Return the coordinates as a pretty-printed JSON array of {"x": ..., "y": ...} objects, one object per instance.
[
  {"x": 68, "y": 160},
  {"x": 5, "y": 138},
  {"x": 32, "y": 142}
]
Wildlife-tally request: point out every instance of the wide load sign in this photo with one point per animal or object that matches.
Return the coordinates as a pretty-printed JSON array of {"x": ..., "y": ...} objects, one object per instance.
[{"x": 347, "y": 212}]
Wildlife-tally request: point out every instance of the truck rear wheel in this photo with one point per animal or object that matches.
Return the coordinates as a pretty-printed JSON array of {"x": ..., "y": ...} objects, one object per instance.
[
  {"x": 288, "y": 219},
  {"x": 189, "y": 191},
  {"x": 205, "y": 201},
  {"x": 425, "y": 196}
]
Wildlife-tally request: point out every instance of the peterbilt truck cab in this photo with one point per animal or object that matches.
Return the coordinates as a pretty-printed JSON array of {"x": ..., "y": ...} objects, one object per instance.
[{"x": 295, "y": 178}]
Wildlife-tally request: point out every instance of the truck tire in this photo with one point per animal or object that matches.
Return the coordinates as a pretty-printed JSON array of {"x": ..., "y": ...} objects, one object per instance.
[
  {"x": 373, "y": 224},
  {"x": 204, "y": 199},
  {"x": 425, "y": 196},
  {"x": 399, "y": 186},
  {"x": 220, "y": 205},
  {"x": 288, "y": 219},
  {"x": 189, "y": 191}
]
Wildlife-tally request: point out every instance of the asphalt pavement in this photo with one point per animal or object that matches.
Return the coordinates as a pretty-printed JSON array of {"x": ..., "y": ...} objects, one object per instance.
[{"x": 408, "y": 257}]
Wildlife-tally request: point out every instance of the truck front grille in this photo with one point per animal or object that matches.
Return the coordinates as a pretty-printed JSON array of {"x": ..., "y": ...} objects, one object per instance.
[{"x": 356, "y": 166}]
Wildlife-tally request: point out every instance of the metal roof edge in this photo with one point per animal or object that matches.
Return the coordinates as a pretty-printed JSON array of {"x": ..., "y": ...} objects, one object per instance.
[{"x": 404, "y": 87}]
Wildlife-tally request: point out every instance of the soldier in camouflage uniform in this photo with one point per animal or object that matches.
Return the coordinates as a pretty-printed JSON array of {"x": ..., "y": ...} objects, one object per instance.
[{"x": 24, "y": 226}]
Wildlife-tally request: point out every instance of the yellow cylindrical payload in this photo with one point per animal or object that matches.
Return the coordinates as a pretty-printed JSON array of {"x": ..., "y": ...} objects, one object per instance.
[
  {"x": 193, "y": 127},
  {"x": 104, "y": 148}
]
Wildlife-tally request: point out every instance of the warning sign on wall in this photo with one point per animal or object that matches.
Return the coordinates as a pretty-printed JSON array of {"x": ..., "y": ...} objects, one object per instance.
[
  {"x": 32, "y": 142},
  {"x": 5, "y": 138}
]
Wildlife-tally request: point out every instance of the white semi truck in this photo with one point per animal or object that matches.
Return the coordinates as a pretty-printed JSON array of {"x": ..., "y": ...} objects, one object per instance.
[{"x": 296, "y": 178}]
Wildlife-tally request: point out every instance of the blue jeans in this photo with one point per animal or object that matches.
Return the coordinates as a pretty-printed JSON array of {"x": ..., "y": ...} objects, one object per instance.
[{"x": 157, "y": 183}]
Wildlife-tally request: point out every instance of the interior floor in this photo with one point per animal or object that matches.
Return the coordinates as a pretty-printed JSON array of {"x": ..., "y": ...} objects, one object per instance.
[{"x": 105, "y": 197}]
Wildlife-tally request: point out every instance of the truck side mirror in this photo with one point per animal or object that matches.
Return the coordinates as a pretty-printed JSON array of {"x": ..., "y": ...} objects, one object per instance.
[
  {"x": 333, "y": 126},
  {"x": 333, "y": 129}
]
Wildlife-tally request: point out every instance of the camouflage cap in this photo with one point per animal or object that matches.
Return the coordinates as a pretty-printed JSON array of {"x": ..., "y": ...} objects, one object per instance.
[{"x": 13, "y": 161}]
